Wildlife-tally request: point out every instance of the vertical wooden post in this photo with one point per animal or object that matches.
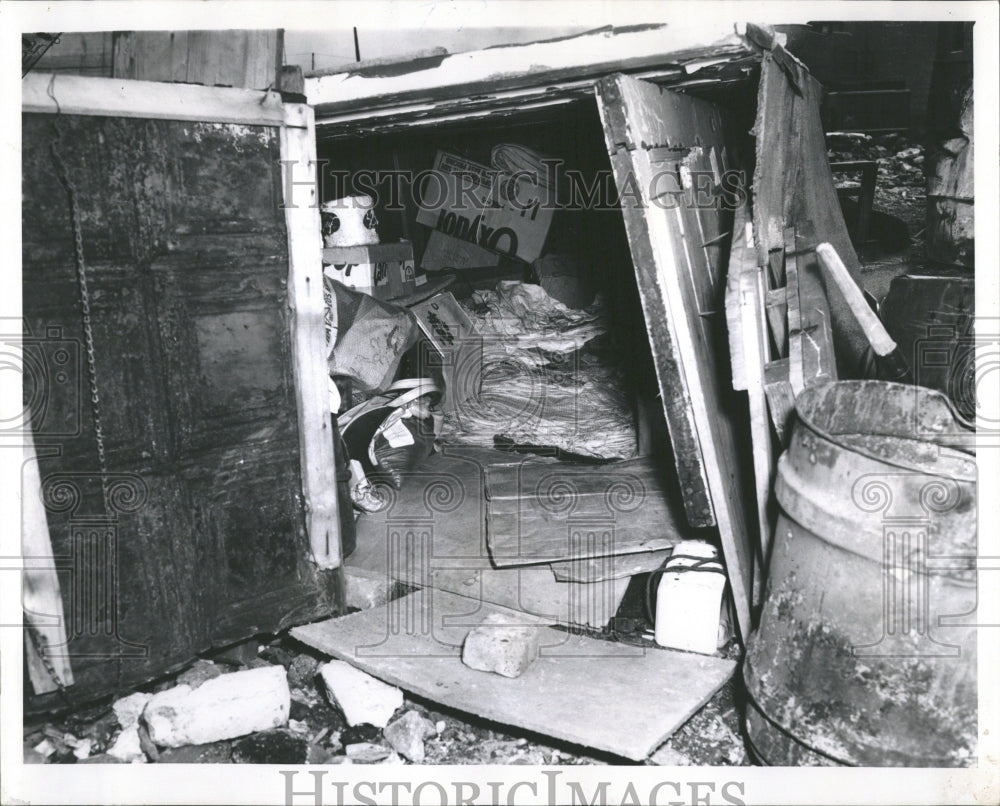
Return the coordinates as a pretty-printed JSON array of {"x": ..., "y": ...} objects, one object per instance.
[
  {"x": 305, "y": 299},
  {"x": 41, "y": 594}
]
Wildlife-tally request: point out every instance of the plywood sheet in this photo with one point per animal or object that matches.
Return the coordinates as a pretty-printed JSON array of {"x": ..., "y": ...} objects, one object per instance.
[
  {"x": 612, "y": 697},
  {"x": 550, "y": 513},
  {"x": 433, "y": 533}
]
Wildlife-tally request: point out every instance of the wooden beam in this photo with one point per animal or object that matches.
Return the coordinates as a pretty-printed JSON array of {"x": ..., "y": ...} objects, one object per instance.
[
  {"x": 123, "y": 98},
  {"x": 594, "y": 54},
  {"x": 305, "y": 298}
]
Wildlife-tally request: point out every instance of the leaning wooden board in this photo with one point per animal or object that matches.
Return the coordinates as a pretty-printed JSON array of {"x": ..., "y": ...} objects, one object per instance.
[
  {"x": 612, "y": 697},
  {"x": 653, "y": 134}
]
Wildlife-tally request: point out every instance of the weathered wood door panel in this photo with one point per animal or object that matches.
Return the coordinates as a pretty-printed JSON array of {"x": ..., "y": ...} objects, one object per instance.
[
  {"x": 670, "y": 156},
  {"x": 203, "y": 538}
]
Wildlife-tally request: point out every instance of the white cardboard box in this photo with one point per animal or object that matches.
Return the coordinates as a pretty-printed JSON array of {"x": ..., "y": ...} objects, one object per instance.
[{"x": 505, "y": 214}]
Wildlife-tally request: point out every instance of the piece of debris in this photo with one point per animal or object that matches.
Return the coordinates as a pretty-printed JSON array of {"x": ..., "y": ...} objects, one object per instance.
[
  {"x": 129, "y": 709},
  {"x": 502, "y": 644},
  {"x": 214, "y": 753},
  {"x": 127, "y": 747},
  {"x": 302, "y": 672},
  {"x": 223, "y": 708},
  {"x": 407, "y": 734},
  {"x": 366, "y": 752},
  {"x": 271, "y": 747},
  {"x": 200, "y": 672},
  {"x": 361, "y": 697}
]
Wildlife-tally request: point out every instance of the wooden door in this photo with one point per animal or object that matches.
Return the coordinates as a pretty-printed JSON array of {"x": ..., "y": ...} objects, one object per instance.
[
  {"x": 673, "y": 166},
  {"x": 195, "y": 531}
]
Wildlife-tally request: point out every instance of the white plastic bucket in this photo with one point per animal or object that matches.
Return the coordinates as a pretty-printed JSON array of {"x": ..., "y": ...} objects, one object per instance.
[{"x": 349, "y": 221}]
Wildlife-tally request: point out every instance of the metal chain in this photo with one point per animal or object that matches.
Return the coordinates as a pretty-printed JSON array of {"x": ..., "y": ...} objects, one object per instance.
[
  {"x": 39, "y": 643},
  {"x": 95, "y": 400},
  {"x": 88, "y": 333}
]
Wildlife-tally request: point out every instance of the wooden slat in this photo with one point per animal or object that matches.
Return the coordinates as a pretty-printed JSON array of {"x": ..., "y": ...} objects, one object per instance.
[
  {"x": 596, "y": 569},
  {"x": 780, "y": 397},
  {"x": 557, "y": 512},
  {"x": 793, "y": 182},
  {"x": 687, "y": 340},
  {"x": 754, "y": 346},
  {"x": 810, "y": 337},
  {"x": 796, "y": 370},
  {"x": 818, "y": 357},
  {"x": 79, "y": 95},
  {"x": 433, "y": 534},
  {"x": 237, "y": 58},
  {"x": 776, "y": 309},
  {"x": 305, "y": 296},
  {"x": 415, "y": 643}
]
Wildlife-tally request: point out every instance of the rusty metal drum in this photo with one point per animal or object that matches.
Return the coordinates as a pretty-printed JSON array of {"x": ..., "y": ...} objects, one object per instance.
[{"x": 865, "y": 653}]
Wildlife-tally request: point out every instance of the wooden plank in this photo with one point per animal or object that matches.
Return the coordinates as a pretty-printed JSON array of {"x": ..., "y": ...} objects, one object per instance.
[
  {"x": 793, "y": 183},
  {"x": 594, "y": 53},
  {"x": 776, "y": 308},
  {"x": 41, "y": 595},
  {"x": 550, "y": 513},
  {"x": 756, "y": 351},
  {"x": 596, "y": 569},
  {"x": 818, "y": 357},
  {"x": 305, "y": 297},
  {"x": 745, "y": 292},
  {"x": 433, "y": 533},
  {"x": 796, "y": 370},
  {"x": 780, "y": 397},
  {"x": 415, "y": 643},
  {"x": 687, "y": 340},
  {"x": 80, "y": 95},
  {"x": 236, "y": 58}
]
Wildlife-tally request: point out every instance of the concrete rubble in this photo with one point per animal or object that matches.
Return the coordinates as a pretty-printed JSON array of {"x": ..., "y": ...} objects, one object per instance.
[
  {"x": 407, "y": 734},
  {"x": 222, "y": 708},
  {"x": 361, "y": 697},
  {"x": 502, "y": 644}
]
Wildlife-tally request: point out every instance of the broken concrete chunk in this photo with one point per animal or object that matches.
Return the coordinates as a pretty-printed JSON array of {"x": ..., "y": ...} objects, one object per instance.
[
  {"x": 407, "y": 734},
  {"x": 200, "y": 672},
  {"x": 366, "y": 753},
  {"x": 502, "y": 644},
  {"x": 361, "y": 697},
  {"x": 127, "y": 746},
  {"x": 223, "y": 708},
  {"x": 128, "y": 709}
]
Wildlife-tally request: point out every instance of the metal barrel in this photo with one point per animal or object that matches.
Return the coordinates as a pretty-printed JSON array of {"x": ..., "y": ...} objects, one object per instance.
[{"x": 865, "y": 653}]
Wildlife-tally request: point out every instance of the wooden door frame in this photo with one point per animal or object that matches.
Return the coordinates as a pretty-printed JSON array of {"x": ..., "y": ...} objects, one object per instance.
[{"x": 49, "y": 93}]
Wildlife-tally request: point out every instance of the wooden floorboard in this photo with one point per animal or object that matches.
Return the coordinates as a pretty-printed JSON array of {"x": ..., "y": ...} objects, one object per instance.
[{"x": 611, "y": 697}]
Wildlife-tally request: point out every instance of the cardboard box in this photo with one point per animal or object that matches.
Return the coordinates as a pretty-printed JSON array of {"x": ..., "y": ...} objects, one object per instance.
[
  {"x": 457, "y": 347},
  {"x": 448, "y": 252},
  {"x": 475, "y": 203},
  {"x": 383, "y": 270}
]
